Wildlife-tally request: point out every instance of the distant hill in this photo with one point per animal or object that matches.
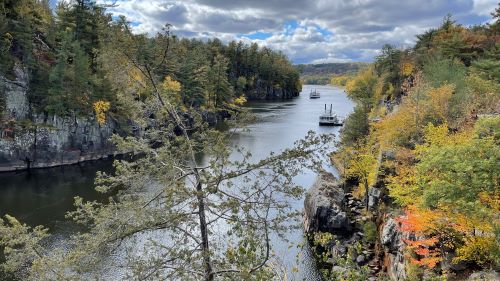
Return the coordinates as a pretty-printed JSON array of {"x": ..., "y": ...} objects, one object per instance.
[{"x": 320, "y": 74}]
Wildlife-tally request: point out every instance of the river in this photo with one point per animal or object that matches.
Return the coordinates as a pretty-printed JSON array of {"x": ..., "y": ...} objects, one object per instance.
[{"x": 42, "y": 197}]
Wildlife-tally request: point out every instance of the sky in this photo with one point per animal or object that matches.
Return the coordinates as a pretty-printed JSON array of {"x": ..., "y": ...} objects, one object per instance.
[{"x": 307, "y": 31}]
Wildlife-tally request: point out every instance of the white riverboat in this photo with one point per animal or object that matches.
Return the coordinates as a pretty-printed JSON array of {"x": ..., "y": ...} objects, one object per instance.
[
  {"x": 314, "y": 94},
  {"x": 328, "y": 118}
]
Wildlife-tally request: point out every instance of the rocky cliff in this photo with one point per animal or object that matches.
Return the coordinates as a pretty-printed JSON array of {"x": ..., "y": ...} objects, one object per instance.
[
  {"x": 368, "y": 244},
  {"x": 33, "y": 140}
]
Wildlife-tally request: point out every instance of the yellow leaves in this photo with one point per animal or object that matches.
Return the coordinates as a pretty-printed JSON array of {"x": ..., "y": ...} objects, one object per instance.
[
  {"x": 171, "y": 91},
  {"x": 436, "y": 134},
  {"x": 407, "y": 68},
  {"x": 362, "y": 165},
  {"x": 171, "y": 85},
  {"x": 12, "y": 220},
  {"x": 403, "y": 186},
  {"x": 360, "y": 88},
  {"x": 340, "y": 80},
  {"x": 240, "y": 100},
  {"x": 100, "y": 109},
  {"x": 439, "y": 136},
  {"x": 396, "y": 129},
  {"x": 322, "y": 238},
  {"x": 437, "y": 104},
  {"x": 404, "y": 126},
  {"x": 479, "y": 249}
]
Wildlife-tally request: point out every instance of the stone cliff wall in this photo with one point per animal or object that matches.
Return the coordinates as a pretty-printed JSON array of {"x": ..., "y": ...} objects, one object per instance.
[
  {"x": 33, "y": 140},
  {"x": 328, "y": 208}
]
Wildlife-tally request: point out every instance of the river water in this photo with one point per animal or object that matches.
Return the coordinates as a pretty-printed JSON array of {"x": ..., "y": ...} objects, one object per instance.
[{"x": 42, "y": 197}]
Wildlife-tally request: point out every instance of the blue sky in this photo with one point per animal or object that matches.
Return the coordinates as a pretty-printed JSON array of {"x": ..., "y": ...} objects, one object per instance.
[{"x": 307, "y": 31}]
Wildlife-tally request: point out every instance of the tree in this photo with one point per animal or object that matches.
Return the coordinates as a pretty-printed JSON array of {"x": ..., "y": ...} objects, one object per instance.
[
  {"x": 362, "y": 165},
  {"x": 361, "y": 88},
  {"x": 489, "y": 65},
  {"x": 356, "y": 126},
  {"x": 211, "y": 220},
  {"x": 220, "y": 88}
]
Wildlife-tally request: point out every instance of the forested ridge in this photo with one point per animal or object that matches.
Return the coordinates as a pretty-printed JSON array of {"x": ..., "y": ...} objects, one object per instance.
[
  {"x": 425, "y": 133},
  {"x": 320, "y": 74},
  {"x": 79, "y": 55}
]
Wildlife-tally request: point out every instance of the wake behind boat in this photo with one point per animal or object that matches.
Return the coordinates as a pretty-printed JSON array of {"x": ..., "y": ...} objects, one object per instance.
[
  {"x": 314, "y": 94},
  {"x": 328, "y": 118}
]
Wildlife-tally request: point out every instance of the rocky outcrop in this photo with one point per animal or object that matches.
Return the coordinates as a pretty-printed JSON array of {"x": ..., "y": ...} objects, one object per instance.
[
  {"x": 327, "y": 208},
  {"x": 33, "y": 140},
  {"x": 484, "y": 276},
  {"x": 393, "y": 246},
  {"x": 265, "y": 91},
  {"x": 323, "y": 207}
]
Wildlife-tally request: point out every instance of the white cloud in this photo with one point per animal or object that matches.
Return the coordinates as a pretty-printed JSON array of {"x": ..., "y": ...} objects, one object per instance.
[
  {"x": 484, "y": 7},
  {"x": 307, "y": 31}
]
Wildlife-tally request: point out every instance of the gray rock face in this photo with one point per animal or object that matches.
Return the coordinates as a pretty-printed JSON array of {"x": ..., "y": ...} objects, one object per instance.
[
  {"x": 373, "y": 197},
  {"x": 48, "y": 140},
  {"x": 323, "y": 207},
  {"x": 16, "y": 102},
  {"x": 484, "y": 276},
  {"x": 391, "y": 238}
]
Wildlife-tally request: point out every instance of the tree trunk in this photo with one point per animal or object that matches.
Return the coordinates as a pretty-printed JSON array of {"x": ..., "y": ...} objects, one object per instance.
[
  {"x": 366, "y": 193},
  {"x": 209, "y": 274}
]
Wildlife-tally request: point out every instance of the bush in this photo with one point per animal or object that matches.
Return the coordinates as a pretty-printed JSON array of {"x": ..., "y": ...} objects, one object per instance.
[{"x": 370, "y": 231}]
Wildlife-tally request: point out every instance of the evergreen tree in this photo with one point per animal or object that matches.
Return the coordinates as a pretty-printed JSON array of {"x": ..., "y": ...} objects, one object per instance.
[{"x": 220, "y": 89}]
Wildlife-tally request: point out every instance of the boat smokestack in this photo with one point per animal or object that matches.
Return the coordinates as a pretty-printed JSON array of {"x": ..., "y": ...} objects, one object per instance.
[{"x": 330, "y": 109}]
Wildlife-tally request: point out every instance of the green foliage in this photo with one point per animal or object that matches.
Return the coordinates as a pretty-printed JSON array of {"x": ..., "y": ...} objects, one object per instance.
[
  {"x": 456, "y": 174},
  {"x": 438, "y": 115},
  {"x": 315, "y": 79},
  {"x": 488, "y": 127},
  {"x": 20, "y": 244},
  {"x": 370, "y": 232},
  {"x": 356, "y": 126},
  {"x": 220, "y": 91},
  {"x": 80, "y": 55},
  {"x": 177, "y": 205},
  {"x": 361, "y": 88},
  {"x": 489, "y": 65}
]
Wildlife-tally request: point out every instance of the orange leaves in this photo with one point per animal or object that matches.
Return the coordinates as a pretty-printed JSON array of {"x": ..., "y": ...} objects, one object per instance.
[
  {"x": 417, "y": 220},
  {"x": 419, "y": 223}
]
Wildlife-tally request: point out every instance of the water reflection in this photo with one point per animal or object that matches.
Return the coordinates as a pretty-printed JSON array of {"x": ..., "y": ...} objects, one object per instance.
[{"x": 42, "y": 197}]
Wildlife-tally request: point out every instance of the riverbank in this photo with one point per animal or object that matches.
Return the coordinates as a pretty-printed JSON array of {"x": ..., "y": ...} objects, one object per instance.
[
  {"x": 30, "y": 139},
  {"x": 45, "y": 195}
]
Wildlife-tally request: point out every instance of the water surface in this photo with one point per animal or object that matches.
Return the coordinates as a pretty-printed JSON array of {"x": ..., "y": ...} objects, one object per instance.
[{"x": 42, "y": 197}]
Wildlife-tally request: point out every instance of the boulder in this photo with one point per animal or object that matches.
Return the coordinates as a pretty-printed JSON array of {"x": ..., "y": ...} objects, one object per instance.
[
  {"x": 393, "y": 246},
  {"x": 323, "y": 207},
  {"x": 391, "y": 236},
  {"x": 360, "y": 259},
  {"x": 374, "y": 195},
  {"x": 484, "y": 276}
]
